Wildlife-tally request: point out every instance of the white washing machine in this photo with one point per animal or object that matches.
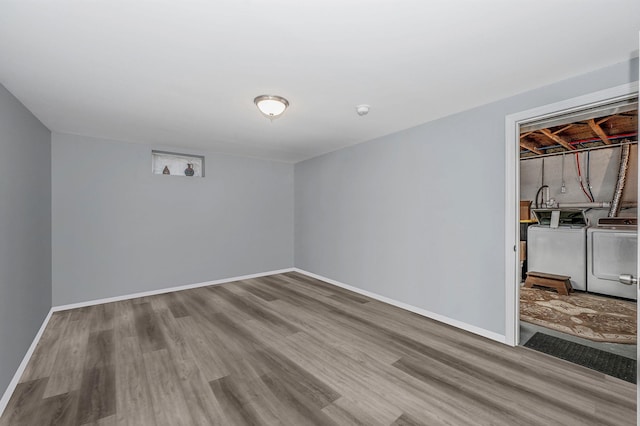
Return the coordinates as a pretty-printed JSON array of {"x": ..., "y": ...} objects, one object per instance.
[
  {"x": 558, "y": 244},
  {"x": 612, "y": 249}
]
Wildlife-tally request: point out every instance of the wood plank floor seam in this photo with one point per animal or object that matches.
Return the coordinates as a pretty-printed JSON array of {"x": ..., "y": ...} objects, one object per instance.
[{"x": 288, "y": 349}]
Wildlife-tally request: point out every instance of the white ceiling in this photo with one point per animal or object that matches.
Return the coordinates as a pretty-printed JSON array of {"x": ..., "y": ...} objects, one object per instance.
[{"x": 185, "y": 72}]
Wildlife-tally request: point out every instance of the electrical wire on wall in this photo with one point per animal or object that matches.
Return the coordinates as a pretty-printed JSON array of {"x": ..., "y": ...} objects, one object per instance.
[
  {"x": 588, "y": 180},
  {"x": 580, "y": 177},
  {"x": 542, "y": 187},
  {"x": 563, "y": 188}
]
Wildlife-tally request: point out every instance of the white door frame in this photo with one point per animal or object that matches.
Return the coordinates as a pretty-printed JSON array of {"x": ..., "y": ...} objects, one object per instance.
[{"x": 512, "y": 189}]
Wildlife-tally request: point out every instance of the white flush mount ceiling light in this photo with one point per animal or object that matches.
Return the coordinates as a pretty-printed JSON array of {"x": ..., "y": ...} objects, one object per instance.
[{"x": 271, "y": 106}]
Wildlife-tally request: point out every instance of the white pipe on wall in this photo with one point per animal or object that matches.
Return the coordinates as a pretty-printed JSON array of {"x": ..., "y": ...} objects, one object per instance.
[{"x": 594, "y": 205}]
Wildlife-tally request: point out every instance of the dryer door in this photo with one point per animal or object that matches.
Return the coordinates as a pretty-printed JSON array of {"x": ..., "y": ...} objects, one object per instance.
[
  {"x": 611, "y": 254},
  {"x": 614, "y": 253}
]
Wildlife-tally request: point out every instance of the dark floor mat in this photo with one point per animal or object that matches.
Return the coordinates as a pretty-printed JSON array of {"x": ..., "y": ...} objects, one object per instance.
[{"x": 614, "y": 365}]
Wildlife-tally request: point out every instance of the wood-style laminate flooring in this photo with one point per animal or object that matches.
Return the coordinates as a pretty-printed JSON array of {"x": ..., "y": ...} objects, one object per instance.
[{"x": 290, "y": 350}]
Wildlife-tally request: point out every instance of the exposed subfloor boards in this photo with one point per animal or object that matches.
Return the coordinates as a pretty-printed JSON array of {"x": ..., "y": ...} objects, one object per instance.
[{"x": 291, "y": 350}]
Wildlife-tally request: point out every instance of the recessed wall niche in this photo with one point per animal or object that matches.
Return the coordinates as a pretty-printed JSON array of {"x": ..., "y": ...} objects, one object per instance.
[{"x": 176, "y": 164}]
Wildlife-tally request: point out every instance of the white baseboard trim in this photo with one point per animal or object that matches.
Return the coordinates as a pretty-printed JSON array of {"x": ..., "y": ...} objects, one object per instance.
[
  {"x": 441, "y": 318},
  {"x": 166, "y": 290},
  {"x": 23, "y": 365},
  {"x": 455, "y": 323}
]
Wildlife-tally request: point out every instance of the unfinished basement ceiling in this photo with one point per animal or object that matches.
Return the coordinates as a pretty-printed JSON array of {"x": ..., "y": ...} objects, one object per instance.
[
  {"x": 185, "y": 73},
  {"x": 609, "y": 129}
]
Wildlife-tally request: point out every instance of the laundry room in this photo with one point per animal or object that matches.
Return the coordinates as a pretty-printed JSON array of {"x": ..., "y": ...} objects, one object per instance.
[{"x": 578, "y": 237}]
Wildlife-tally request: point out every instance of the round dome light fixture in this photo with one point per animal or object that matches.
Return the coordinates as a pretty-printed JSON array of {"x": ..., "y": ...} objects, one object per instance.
[{"x": 271, "y": 106}]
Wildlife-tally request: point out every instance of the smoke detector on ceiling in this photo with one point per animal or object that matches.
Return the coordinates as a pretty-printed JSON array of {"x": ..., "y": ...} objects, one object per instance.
[{"x": 362, "y": 109}]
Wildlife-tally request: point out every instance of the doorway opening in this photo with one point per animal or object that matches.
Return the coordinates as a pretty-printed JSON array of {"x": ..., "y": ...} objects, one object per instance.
[{"x": 574, "y": 229}]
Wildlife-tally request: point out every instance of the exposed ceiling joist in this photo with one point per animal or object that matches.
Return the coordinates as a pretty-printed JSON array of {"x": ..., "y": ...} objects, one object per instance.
[
  {"x": 568, "y": 126},
  {"x": 588, "y": 132},
  {"x": 530, "y": 146},
  {"x": 602, "y": 120},
  {"x": 557, "y": 139},
  {"x": 598, "y": 131}
]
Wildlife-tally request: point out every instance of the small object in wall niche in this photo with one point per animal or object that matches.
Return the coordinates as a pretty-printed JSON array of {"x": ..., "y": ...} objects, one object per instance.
[
  {"x": 166, "y": 170},
  {"x": 189, "y": 170}
]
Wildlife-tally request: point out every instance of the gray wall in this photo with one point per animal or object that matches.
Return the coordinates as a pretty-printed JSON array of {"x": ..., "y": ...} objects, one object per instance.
[
  {"x": 25, "y": 231},
  {"x": 118, "y": 229},
  {"x": 605, "y": 164},
  {"x": 418, "y": 216}
]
